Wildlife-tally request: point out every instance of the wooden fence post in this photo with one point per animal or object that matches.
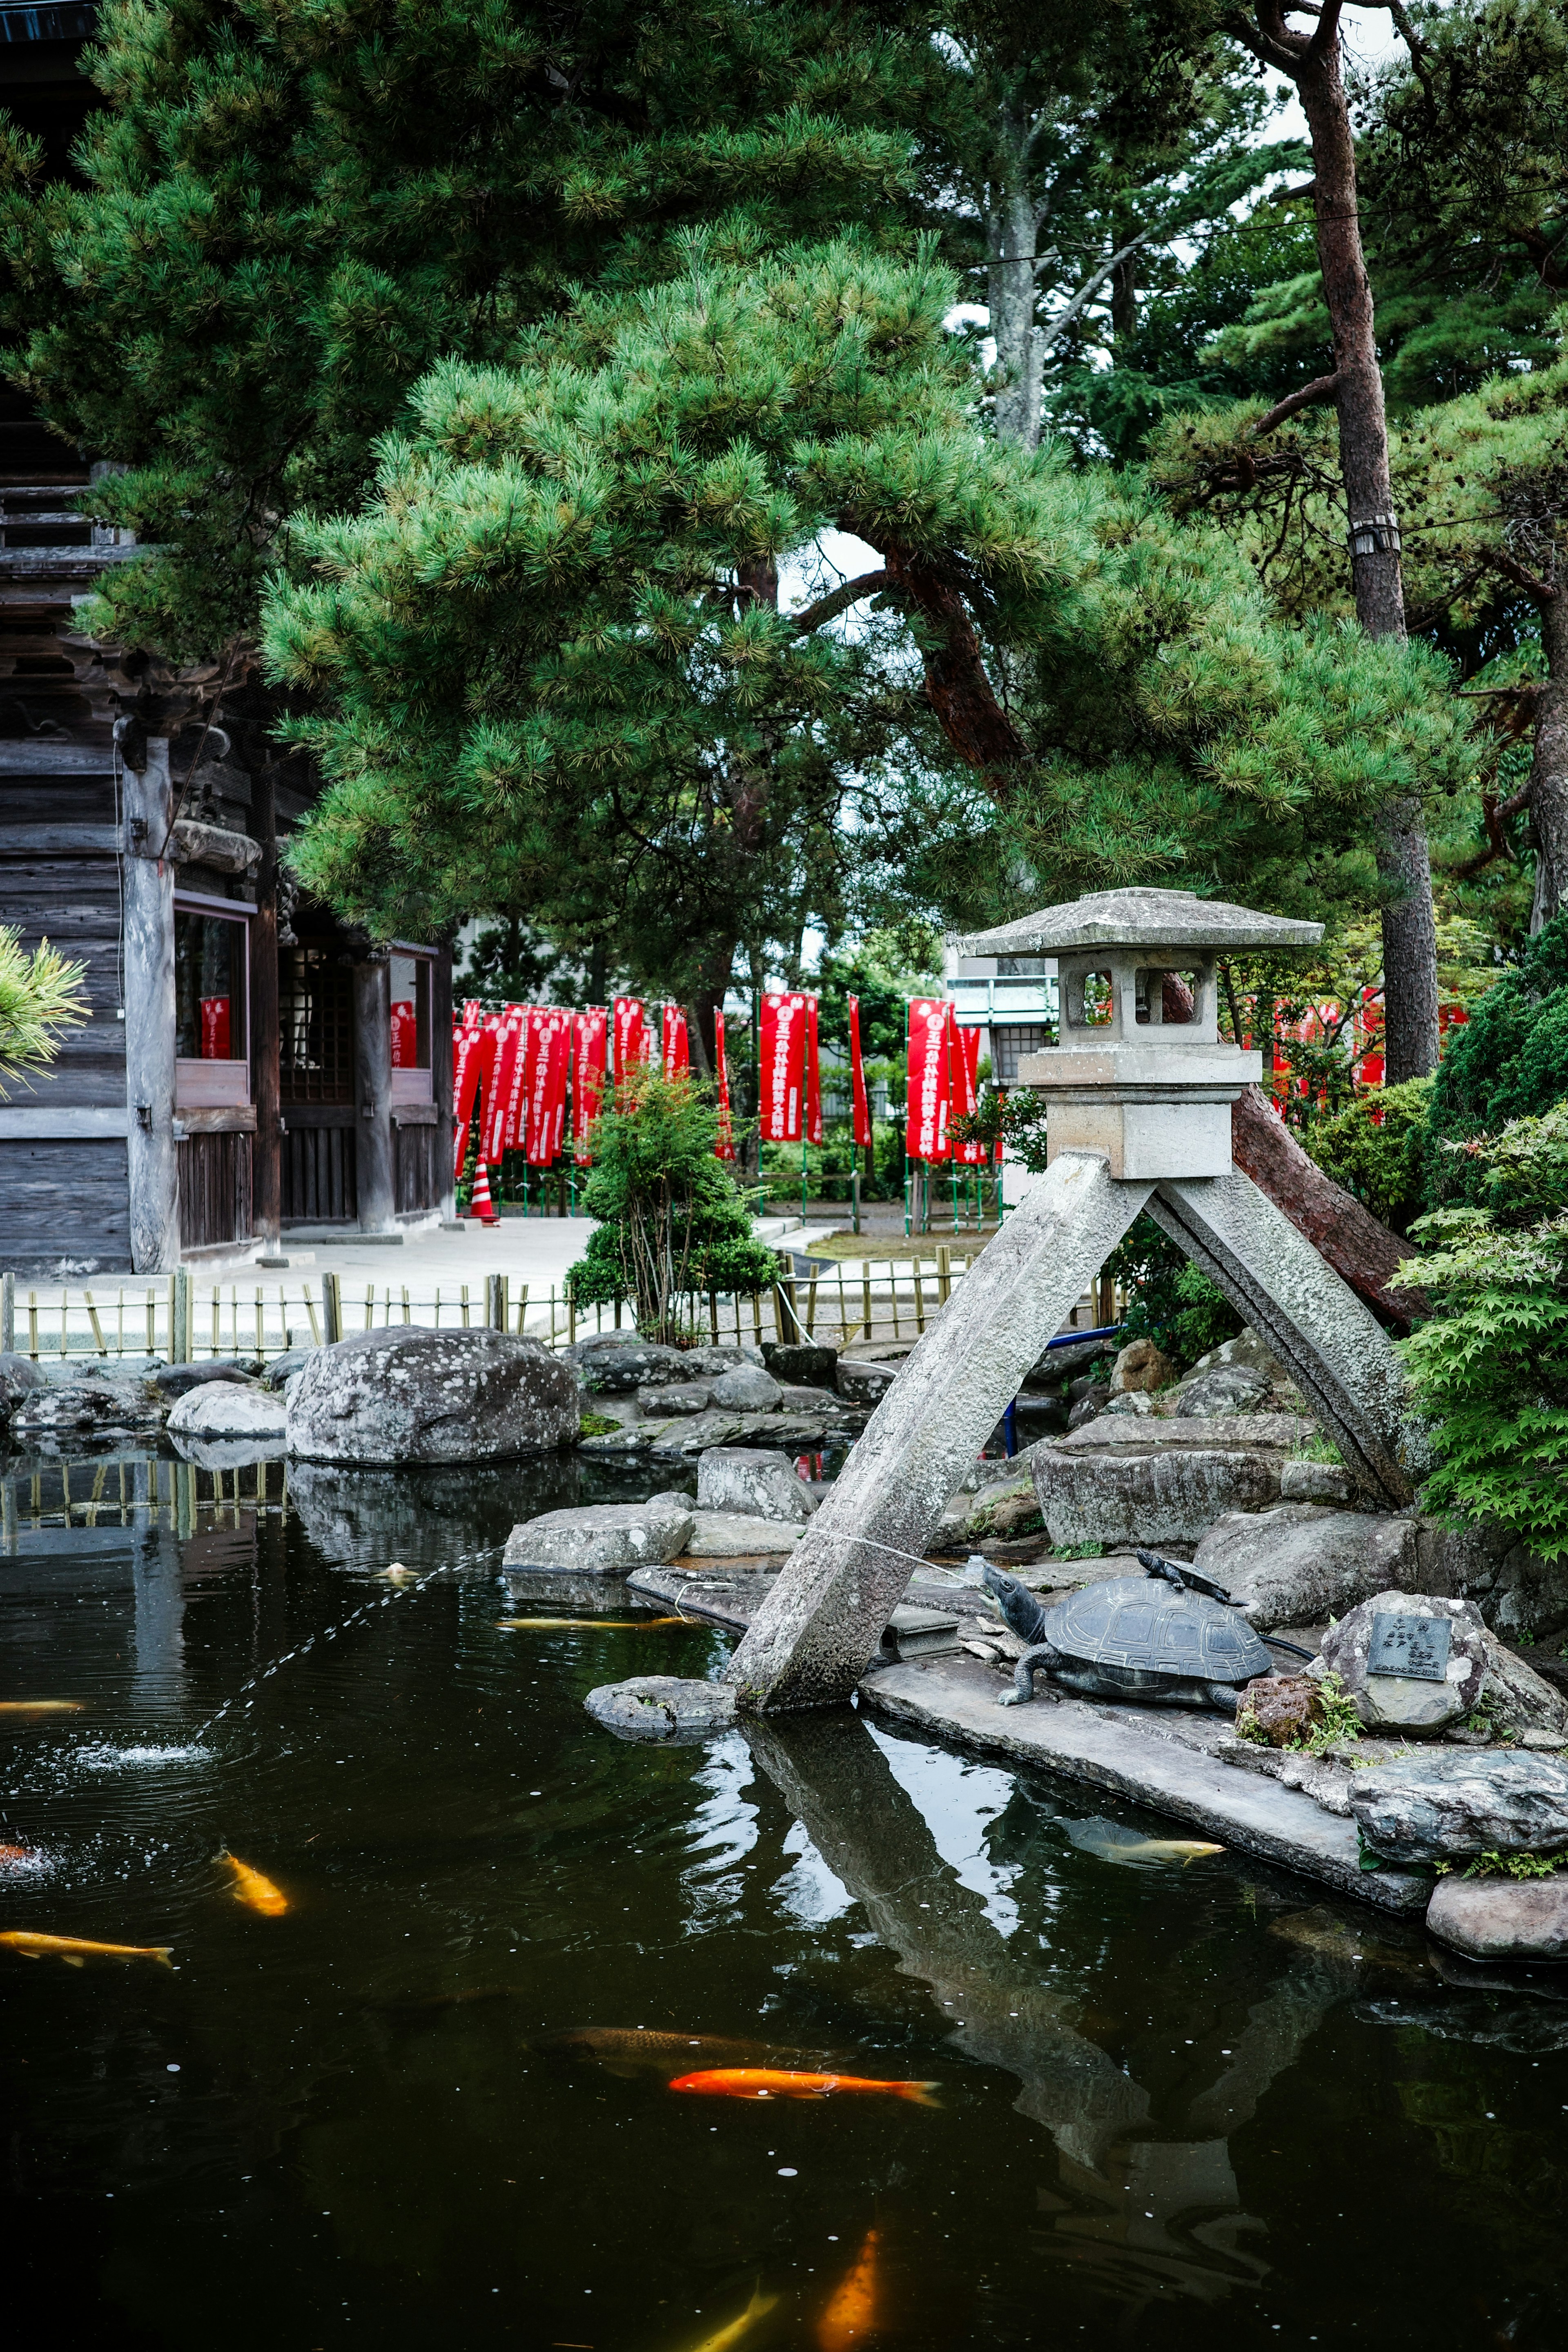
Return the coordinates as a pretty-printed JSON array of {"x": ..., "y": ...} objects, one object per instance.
[
  {"x": 8, "y": 1313},
  {"x": 332, "y": 1309}
]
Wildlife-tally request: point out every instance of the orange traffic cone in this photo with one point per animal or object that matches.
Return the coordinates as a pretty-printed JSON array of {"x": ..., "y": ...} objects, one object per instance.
[{"x": 480, "y": 1203}]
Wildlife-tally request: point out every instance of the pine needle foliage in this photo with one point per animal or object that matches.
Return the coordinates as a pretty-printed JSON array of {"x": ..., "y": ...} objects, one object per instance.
[
  {"x": 285, "y": 214},
  {"x": 40, "y": 994},
  {"x": 537, "y": 659},
  {"x": 1509, "y": 1063}
]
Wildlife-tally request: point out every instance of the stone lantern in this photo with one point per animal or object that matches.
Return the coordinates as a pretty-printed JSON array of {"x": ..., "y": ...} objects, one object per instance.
[
  {"x": 1140, "y": 1073},
  {"x": 1139, "y": 1089}
]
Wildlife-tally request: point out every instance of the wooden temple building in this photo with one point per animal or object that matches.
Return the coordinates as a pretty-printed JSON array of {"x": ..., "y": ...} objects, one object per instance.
[{"x": 247, "y": 1065}]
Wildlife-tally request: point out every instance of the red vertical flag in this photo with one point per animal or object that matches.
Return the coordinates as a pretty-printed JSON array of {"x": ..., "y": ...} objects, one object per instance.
[
  {"x": 928, "y": 1086},
  {"x": 676, "y": 1044},
  {"x": 813, "y": 1076},
  {"x": 473, "y": 1053},
  {"x": 724, "y": 1148},
  {"x": 559, "y": 1064},
  {"x": 499, "y": 1080},
  {"x": 546, "y": 1085},
  {"x": 783, "y": 1067},
  {"x": 521, "y": 1072},
  {"x": 630, "y": 1040},
  {"x": 861, "y": 1100},
  {"x": 966, "y": 1091},
  {"x": 588, "y": 1078}
]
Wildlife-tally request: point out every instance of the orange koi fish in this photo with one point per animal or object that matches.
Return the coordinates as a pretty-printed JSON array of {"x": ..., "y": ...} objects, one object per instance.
[
  {"x": 592, "y": 1624},
  {"x": 41, "y": 1706},
  {"x": 252, "y": 1889},
  {"x": 784, "y": 2083},
  {"x": 851, "y": 2311},
  {"x": 76, "y": 1949},
  {"x": 12, "y": 1857}
]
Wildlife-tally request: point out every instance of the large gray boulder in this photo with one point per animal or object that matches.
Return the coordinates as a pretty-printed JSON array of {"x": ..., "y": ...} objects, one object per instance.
[
  {"x": 1480, "y": 1671},
  {"x": 733, "y": 1535},
  {"x": 599, "y": 1538},
  {"x": 1227, "y": 1388},
  {"x": 680, "y": 1397},
  {"x": 407, "y": 1395},
  {"x": 1298, "y": 1563},
  {"x": 172, "y": 1380},
  {"x": 19, "y": 1376},
  {"x": 1458, "y": 1803},
  {"x": 614, "y": 1363},
  {"x": 1519, "y": 1594},
  {"x": 758, "y": 1484},
  {"x": 746, "y": 1389},
  {"x": 1408, "y": 1703},
  {"x": 94, "y": 1405},
  {"x": 1502, "y": 1918},
  {"x": 221, "y": 1409},
  {"x": 801, "y": 1363},
  {"x": 1121, "y": 1481},
  {"x": 864, "y": 1384},
  {"x": 662, "y": 1707}
]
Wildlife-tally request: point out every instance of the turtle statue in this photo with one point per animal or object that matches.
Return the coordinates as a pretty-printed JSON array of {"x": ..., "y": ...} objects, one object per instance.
[{"x": 1168, "y": 1638}]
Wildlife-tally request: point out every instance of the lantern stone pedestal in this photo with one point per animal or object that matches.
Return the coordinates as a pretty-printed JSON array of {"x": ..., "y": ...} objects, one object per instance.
[{"x": 1140, "y": 1119}]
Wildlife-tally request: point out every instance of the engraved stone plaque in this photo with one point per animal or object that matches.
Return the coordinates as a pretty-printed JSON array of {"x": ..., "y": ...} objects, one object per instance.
[{"x": 1416, "y": 1646}]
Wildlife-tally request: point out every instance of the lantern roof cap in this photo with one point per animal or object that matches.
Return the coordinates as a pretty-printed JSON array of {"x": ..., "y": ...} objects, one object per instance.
[{"x": 1140, "y": 917}]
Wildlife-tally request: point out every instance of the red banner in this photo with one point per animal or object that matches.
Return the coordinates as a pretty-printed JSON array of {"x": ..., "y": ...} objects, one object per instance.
[
  {"x": 676, "y": 1044},
  {"x": 965, "y": 1066},
  {"x": 587, "y": 1077},
  {"x": 503, "y": 1081},
  {"x": 473, "y": 1054},
  {"x": 927, "y": 1089},
  {"x": 405, "y": 1034},
  {"x": 725, "y": 1147},
  {"x": 813, "y": 1076},
  {"x": 546, "y": 1096},
  {"x": 215, "y": 1029},
  {"x": 859, "y": 1099},
  {"x": 782, "y": 1067},
  {"x": 630, "y": 1035}
]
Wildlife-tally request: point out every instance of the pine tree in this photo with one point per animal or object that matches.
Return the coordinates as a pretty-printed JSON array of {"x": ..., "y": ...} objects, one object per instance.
[
  {"x": 540, "y": 637},
  {"x": 285, "y": 215}
]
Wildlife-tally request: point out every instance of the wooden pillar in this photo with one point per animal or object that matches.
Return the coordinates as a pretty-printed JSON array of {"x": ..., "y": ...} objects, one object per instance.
[
  {"x": 373, "y": 1095},
  {"x": 441, "y": 1077},
  {"x": 153, "y": 1163},
  {"x": 267, "y": 1174}
]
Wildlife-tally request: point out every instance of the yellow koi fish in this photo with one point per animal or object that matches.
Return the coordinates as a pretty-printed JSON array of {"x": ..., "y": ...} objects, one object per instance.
[
  {"x": 851, "y": 2315},
  {"x": 74, "y": 1950},
  {"x": 251, "y": 1888},
  {"x": 722, "y": 2338},
  {"x": 597, "y": 1625},
  {"x": 41, "y": 1706}
]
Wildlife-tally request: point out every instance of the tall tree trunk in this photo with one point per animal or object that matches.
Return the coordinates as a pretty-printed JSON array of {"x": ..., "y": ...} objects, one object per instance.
[
  {"x": 1012, "y": 229},
  {"x": 1548, "y": 767},
  {"x": 1409, "y": 929}
]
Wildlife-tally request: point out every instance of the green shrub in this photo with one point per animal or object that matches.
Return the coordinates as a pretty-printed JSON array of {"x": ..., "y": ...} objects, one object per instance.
[
  {"x": 1509, "y": 1062},
  {"x": 674, "y": 1226},
  {"x": 1169, "y": 1300},
  {"x": 1490, "y": 1366},
  {"x": 1377, "y": 1149}
]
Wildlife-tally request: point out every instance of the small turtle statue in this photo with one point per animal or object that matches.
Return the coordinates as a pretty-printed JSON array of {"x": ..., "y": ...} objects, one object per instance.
[{"x": 1127, "y": 1639}]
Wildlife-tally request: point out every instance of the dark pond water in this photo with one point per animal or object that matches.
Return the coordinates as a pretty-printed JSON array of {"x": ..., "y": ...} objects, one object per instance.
[{"x": 1175, "y": 2106}]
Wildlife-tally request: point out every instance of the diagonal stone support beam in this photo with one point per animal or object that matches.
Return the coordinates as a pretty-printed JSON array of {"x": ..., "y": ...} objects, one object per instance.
[
  {"x": 1334, "y": 1349},
  {"x": 810, "y": 1640}
]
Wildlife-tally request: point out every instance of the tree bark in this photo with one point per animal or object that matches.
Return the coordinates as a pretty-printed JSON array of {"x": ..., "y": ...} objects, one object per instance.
[
  {"x": 1548, "y": 767},
  {"x": 1403, "y": 864},
  {"x": 1012, "y": 229},
  {"x": 1362, "y": 1251}
]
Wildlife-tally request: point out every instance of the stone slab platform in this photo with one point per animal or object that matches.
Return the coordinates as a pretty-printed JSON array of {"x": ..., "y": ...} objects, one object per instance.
[{"x": 1158, "y": 1758}]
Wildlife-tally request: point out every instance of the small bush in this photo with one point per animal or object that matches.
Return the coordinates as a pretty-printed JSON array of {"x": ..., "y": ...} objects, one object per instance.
[
  {"x": 1509, "y": 1062},
  {"x": 1490, "y": 1366},
  {"x": 1377, "y": 1149}
]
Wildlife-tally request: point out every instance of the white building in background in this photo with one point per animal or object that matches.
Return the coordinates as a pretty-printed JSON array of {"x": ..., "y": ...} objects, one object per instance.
[{"x": 1011, "y": 999}]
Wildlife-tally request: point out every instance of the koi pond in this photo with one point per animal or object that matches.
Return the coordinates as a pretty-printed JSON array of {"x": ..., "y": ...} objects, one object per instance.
[{"x": 439, "y": 1949}]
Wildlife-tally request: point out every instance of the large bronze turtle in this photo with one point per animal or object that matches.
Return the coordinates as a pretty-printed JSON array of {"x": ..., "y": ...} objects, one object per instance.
[{"x": 1168, "y": 1638}]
